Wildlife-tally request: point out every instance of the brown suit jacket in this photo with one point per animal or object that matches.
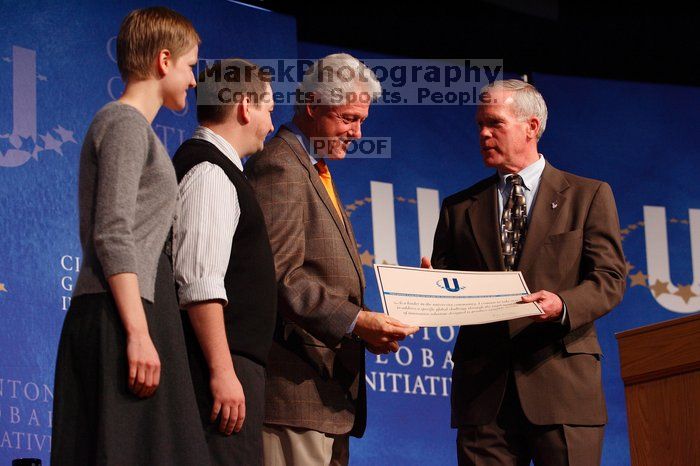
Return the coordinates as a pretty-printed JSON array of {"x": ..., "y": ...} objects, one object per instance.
[
  {"x": 572, "y": 248},
  {"x": 315, "y": 372}
]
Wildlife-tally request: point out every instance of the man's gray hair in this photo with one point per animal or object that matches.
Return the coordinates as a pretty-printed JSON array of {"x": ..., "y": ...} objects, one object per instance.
[
  {"x": 527, "y": 100},
  {"x": 338, "y": 79}
]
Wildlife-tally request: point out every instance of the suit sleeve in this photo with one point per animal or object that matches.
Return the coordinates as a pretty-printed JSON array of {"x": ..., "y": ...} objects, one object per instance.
[
  {"x": 603, "y": 268},
  {"x": 442, "y": 243},
  {"x": 281, "y": 188}
]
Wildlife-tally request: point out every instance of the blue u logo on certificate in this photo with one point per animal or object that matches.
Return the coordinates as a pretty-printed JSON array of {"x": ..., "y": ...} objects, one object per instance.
[{"x": 446, "y": 285}]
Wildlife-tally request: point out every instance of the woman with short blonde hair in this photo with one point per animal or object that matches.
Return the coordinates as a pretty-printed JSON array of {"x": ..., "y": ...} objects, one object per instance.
[{"x": 123, "y": 394}]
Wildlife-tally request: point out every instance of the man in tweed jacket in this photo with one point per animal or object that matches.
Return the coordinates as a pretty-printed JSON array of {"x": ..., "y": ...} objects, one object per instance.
[{"x": 315, "y": 396}]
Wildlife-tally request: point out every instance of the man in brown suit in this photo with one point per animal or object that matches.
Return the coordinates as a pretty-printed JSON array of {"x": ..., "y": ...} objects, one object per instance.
[
  {"x": 530, "y": 389},
  {"x": 315, "y": 396}
]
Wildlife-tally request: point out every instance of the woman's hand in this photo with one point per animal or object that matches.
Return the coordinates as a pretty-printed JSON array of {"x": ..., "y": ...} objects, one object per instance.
[{"x": 144, "y": 365}]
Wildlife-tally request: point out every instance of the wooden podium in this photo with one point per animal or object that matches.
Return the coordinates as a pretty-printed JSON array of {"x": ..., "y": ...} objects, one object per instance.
[{"x": 660, "y": 365}]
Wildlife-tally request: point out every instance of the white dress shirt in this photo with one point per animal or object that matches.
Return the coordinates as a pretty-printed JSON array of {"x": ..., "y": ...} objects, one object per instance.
[
  {"x": 203, "y": 231},
  {"x": 531, "y": 175}
]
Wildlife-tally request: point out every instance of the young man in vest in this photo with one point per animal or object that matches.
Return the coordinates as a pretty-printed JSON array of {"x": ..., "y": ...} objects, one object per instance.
[{"x": 223, "y": 263}]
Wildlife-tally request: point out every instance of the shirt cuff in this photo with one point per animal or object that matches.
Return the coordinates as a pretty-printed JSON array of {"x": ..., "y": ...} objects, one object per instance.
[
  {"x": 115, "y": 259},
  {"x": 204, "y": 289},
  {"x": 563, "y": 313},
  {"x": 351, "y": 328}
]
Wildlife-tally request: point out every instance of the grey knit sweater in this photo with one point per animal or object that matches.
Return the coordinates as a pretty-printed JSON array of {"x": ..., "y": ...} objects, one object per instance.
[{"x": 127, "y": 195}]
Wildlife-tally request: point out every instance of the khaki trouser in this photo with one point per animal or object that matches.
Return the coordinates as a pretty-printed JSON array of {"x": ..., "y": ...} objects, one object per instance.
[{"x": 291, "y": 446}]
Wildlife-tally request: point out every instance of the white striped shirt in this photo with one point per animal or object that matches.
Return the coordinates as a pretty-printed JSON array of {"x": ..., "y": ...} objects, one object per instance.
[{"x": 203, "y": 230}]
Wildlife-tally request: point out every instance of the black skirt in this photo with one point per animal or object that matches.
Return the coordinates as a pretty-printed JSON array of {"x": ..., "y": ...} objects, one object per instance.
[{"x": 96, "y": 418}]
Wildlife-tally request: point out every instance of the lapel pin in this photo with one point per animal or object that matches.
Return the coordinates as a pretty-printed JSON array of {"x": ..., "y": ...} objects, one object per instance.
[{"x": 555, "y": 205}]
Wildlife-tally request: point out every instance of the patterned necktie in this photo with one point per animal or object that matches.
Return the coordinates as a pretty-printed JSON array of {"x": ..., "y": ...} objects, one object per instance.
[
  {"x": 514, "y": 223},
  {"x": 327, "y": 181}
]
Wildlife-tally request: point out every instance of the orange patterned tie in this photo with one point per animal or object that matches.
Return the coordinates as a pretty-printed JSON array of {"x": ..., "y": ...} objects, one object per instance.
[{"x": 327, "y": 181}]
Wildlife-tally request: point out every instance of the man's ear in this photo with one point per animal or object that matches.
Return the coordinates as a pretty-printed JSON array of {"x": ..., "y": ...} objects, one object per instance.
[
  {"x": 164, "y": 62},
  {"x": 243, "y": 110},
  {"x": 311, "y": 108},
  {"x": 533, "y": 127}
]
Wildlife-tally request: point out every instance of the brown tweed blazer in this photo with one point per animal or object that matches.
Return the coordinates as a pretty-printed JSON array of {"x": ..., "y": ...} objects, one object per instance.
[
  {"x": 315, "y": 372},
  {"x": 572, "y": 248}
]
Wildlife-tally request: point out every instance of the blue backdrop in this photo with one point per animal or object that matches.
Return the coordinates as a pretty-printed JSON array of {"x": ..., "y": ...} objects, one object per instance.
[{"x": 57, "y": 69}]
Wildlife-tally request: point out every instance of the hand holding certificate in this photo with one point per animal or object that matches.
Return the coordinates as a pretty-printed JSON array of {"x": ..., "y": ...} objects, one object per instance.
[{"x": 436, "y": 298}]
